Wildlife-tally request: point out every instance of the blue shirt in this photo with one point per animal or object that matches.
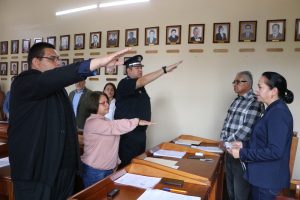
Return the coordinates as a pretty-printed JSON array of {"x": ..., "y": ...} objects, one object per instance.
[
  {"x": 76, "y": 100},
  {"x": 6, "y": 104}
]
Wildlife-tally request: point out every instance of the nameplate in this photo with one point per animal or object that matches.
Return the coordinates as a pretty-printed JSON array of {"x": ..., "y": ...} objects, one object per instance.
[
  {"x": 3, "y": 58},
  {"x": 246, "y": 40},
  {"x": 173, "y": 51},
  {"x": 14, "y": 57},
  {"x": 246, "y": 50},
  {"x": 93, "y": 79},
  {"x": 111, "y": 79},
  {"x": 94, "y": 53},
  {"x": 64, "y": 55},
  {"x": 131, "y": 52},
  {"x": 4, "y": 79},
  {"x": 275, "y": 40},
  {"x": 151, "y": 51},
  {"x": 196, "y": 50},
  {"x": 79, "y": 54},
  {"x": 110, "y": 52},
  {"x": 297, "y": 49},
  {"x": 274, "y": 49},
  {"x": 24, "y": 57},
  {"x": 220, "y": 50}
]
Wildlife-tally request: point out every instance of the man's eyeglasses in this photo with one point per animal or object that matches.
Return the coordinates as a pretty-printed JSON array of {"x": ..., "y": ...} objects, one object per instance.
[
  {"x": 52, "y": 58},
  {"x": 238, "y": 82}
]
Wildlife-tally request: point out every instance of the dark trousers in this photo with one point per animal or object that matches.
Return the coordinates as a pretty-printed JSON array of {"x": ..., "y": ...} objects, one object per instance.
[
  {"x": 131, "y": 145},
  {"x": 263, "y": 193},
  {"x": 237, "y": 187},
  {"x": 35, "y": 190}
]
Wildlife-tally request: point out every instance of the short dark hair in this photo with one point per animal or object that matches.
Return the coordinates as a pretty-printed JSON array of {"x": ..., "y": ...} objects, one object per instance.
[
  {"x": 37, "y": 51},
  {"x": 93, "y": 101},
  {"x": 275, "y": 80},
  {"x": 114, "y": 87}
]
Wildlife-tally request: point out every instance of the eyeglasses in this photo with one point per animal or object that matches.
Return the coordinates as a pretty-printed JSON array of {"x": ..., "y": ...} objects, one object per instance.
[
  {"x": 238, "y": 82},
  {"x": 52, "y": 58}
]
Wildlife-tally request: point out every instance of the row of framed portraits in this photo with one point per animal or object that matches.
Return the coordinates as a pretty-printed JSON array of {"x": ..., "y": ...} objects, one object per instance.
[
  {"x": 276, "y": 31},
  {"x": 13, "y": 68}
]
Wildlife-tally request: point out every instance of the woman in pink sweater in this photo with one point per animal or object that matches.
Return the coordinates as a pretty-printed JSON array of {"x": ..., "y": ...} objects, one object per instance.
[{"x": 101, "y": 138}]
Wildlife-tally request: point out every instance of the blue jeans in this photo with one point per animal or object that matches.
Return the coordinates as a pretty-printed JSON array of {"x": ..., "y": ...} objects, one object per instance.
[
  {"x": 263, "y": 193},
  {"x": 91, "y": 175}
]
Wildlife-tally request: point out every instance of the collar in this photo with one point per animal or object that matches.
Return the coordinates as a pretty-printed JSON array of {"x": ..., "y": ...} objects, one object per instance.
[{"x": 249, "y": 95}]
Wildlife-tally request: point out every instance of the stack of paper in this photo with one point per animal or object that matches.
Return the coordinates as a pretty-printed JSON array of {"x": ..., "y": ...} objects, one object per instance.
[
  {"x": 169, "y": 153},
  {"x": 4, "y": 162},
  {"x": 164, "y": 162},
  {"x": 138, "y": 180},
  {"x": 187, "y": 142},
  {"x": 209, "y": 149},
  {"x": 163, "y": 195}
]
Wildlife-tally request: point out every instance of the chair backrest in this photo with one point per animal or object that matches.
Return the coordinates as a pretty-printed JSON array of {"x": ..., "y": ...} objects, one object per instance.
[{"x": 293, "y": 152}]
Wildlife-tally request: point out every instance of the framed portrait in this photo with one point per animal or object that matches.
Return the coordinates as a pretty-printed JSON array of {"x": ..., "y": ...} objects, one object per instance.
[
  {"x": 276, "y": 30},
  {"x": 3, "y": 68},
  {"x": 124, "y": 67},
  {"x": 297, "y": 30},
  {"x": 4, "y": 48},
  {"x": 64, "y": 62},
  {"x": 247, "y": 31},
  {"x": 95, "y": 40},
  {"x": 152, "y": 36},
  {"x": 79, "y": 41},
  {"x": 173, "y": 34},
  {"x": 24, "y": 66},
  {"x": 14, "y": 46},
  {"x": 75, "y": 60},
  {"x": 221, "y": 33},
  {"x": 111, "y": 70},
  {"x": 14, "y": 68},
  {"x": 131, "y": 37},
  {"x": 25, "y": 45},
  {"x": 37, "y": 40},
  {"x": 112, "y": 38},
  {"x": 64, "y": 44},
  {"x": 52, "y": 40},
  {"x": 196, "y": 33}
]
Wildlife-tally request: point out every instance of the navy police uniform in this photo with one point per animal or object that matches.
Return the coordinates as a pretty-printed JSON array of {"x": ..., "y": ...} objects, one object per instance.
[{"x": 132, "y": 103}]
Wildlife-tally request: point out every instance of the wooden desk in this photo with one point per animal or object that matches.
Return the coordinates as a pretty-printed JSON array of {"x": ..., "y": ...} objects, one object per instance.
[
  {"x": 99, "y": 190},
  {"x": 3, "y": 130},
  {"x": 6, "y": 185}
]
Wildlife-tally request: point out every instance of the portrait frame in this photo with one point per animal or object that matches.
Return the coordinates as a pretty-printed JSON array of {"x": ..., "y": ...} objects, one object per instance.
[
  {"x": 297, "y": 30},
  {"x": 4, "y": 48},
  {"x": 64, "y": 43},
  {"x": 12, "y": 44},
  {"x": 97, "y": 45},
  {"x": 75, "y": 60},
  {"x": 155, "y": 40},
  {"x": 280, "y": 24},
  {"x": 124, "y": 66},
  {"x": 177, "y": 38},
  {"x": 114, "y": 72},
  {"x": 25, "y": 45},
  {"x": 64, "y": 62},
  {"x": 135, "y": 39},
  {"x": 243, "y": 28},
  {"x": 16, "y": 70},
  {"x": 218, "y": 37},
  {"x": 24, "y": 66},
  {"x": 3, "y": 68},
  {"x": 112, "y": 39},
  {"x": 37, "y": 40},
  {"x": 191, "y": 38},
  {"x": 52, "y": 40},
  {"x": 79, "y": 37}
]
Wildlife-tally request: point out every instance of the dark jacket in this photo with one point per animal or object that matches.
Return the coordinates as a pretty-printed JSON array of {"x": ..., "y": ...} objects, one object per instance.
[{"x": 42, "y": 124}]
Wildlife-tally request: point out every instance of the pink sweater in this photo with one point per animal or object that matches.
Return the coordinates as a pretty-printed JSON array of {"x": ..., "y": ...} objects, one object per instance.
[{"x": 101, "y": 140}]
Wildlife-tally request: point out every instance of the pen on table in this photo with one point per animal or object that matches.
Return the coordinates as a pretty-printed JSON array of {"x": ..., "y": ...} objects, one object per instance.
[{"x": 175, "y": 190}]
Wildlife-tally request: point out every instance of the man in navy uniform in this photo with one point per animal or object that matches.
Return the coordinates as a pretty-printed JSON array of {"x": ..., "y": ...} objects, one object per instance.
[{"x": 133, "y": 102}]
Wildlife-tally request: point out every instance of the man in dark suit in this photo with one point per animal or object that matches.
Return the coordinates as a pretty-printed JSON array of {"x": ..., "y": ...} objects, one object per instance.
[
  {"x": 196, "y": 35},
  {"x": 248, "y": 33},
  {"x": 112, "y": 41},
  {"x": 275, "y": 35},
  {"x": 79, "y": 98},
  {"x": 173, "y": 38},
  {"x": 151, "y": 39},
  {"x": 131, "y": 39},
  {"x": 221, "y": 35},
  {"x": 95, "y": 41}
]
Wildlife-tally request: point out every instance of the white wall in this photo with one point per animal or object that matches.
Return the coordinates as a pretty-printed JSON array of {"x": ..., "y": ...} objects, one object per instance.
[{"x": 194, "y": 98}]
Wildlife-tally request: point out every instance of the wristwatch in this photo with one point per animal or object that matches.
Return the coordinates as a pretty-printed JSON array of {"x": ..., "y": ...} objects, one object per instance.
[{"x": 165, "y": 69}]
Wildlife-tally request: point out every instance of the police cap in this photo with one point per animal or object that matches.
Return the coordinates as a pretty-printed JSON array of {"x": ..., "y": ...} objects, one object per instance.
[{"x": 134, "y": 61}]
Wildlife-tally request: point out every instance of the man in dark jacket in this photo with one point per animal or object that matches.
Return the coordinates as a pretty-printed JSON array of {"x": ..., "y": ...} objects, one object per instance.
[{"x": 42, "y": 139}]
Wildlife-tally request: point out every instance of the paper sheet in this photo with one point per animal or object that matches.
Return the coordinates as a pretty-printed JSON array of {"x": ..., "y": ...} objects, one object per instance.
[
  {"x": 138, "y": 180},
  {"x": 187, "y": 142},
  {"x": 163, "y": 195},
  {"x": 4, "y": 162},
  {"x": 169, "y": 153},
  {"x": 209, "y": 149},
  {"x": 164, "y": 162}
]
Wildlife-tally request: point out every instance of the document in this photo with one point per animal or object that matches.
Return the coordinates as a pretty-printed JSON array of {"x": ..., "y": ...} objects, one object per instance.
[
  {"x": 208, "y": 149},
  {"x": 187, "y": 142},
  {"x": 169, "y": 153},
  {"x": 163, "y": 195},
  {"x": 2, "y": 143},
  {"x": 139, "y": 181},
  {"x": 4, "y": 162},
  {"x": 164, "y": 162}
]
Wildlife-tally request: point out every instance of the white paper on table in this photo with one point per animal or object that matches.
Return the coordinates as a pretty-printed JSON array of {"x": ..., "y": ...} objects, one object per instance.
[
  {"x": 209, "y": 149},
  {"x": 4, "y": 162},
  {"x": 2, "y": 143},
  {"x": 163, "y": 195},
  {"x": 187, "y": 142},
  {"x": 138, "y": 180},
  {"x": 164, "y": 162},
  {"x": 169, "y": 153}
]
